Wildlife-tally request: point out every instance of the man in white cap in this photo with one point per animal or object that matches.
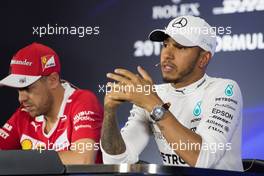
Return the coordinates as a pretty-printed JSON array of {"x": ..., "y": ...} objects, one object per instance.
[
  {"x": 196, "y": 119},
  {"x": 53, "y": 115}
]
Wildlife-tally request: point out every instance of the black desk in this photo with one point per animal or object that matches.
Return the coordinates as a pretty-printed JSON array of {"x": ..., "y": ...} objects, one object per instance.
[
  {"x": 18, "y": 162},
  {"x": 148, "y": 169}
]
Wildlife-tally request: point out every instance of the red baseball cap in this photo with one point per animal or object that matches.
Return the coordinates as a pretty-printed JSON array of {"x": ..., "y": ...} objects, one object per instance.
[{"x": 29, "y": 64}]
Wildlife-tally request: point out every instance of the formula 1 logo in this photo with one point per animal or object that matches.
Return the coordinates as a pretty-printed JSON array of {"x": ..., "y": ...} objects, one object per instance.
[{"x": 179, "y": 23}]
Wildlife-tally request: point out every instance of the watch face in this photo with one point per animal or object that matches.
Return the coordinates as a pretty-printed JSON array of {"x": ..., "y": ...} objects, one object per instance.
[{"x": 158, "y": 112}]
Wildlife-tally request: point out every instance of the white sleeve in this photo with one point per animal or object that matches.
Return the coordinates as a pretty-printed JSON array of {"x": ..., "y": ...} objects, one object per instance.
[
  {"x": 135, "y": 133},
  {"x": 223, "y": 106}
]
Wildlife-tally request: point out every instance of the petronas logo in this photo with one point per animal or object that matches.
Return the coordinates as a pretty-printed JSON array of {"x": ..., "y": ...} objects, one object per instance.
[
  {"x": 229, "y": 90},
  {"x": 197, "y": 109}
]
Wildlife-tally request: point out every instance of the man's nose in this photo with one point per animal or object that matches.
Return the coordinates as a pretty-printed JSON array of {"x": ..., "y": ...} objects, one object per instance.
[
  {"x": 167, "y": 54},
  {"x": 22, "y": 96}
]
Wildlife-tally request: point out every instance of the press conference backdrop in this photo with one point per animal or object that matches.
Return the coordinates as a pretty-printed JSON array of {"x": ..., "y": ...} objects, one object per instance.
[{"x": 100, "y": 35}]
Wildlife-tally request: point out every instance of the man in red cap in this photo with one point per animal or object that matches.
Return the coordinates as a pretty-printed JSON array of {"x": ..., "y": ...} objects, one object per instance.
[{"x": 53, "y": 114}]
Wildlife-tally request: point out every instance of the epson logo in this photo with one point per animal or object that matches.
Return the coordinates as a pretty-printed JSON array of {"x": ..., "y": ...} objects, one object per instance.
[
  {"x": 20, "y": 62},
  {"x": 222, "y": 113},
  {"x": 239, "y": 6}
]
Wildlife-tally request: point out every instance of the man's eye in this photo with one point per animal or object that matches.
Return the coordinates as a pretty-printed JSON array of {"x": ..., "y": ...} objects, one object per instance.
[
  {"x": 165, "y": 45},
  {"x": 179, "y": 47},
  {"x": 28, "y": 88},
  {"x": 24, "y": 89}
]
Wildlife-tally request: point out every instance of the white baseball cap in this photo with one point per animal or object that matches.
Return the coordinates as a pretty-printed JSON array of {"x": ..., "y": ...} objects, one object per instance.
[{"x": 188, "y": 31}]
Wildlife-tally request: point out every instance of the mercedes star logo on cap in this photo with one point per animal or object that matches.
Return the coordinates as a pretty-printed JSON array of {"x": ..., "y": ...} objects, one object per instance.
[{"x": 179, "y": 23}]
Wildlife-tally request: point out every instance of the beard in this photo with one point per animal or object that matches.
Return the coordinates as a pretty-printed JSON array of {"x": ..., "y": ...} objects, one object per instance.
[
  {"x": 45, "y": 106},
  {"x": 182, "y": 75}
]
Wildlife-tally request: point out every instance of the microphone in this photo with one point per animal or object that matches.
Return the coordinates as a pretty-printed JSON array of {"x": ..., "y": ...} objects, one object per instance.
[{"x": 158, "y": 64}]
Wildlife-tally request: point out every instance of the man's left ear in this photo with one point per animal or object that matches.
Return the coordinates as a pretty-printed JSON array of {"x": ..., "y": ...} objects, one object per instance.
[
  {"x": 53, "y": 80},
  {"x": 205, "y": 59}
]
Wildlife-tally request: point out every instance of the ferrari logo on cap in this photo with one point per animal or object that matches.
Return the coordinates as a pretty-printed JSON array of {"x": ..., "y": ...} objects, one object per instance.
[{"x": 47, "y": 62}]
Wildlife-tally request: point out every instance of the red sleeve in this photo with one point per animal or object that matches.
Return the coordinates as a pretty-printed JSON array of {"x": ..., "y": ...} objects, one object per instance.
[
  {"x": 9, "y": 135},
  {"x": 87, "y": 116}
]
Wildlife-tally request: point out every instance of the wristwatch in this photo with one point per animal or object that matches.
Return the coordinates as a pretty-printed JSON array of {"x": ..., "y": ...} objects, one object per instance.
[{"x": 158, "y": 111}]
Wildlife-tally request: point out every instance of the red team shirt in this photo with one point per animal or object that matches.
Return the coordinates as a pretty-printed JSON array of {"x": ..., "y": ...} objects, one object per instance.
[{"x": 80, "y": 116}]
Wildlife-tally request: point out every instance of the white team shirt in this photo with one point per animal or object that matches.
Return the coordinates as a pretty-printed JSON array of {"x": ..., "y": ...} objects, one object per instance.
[{"x": 211, "y": 107}]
